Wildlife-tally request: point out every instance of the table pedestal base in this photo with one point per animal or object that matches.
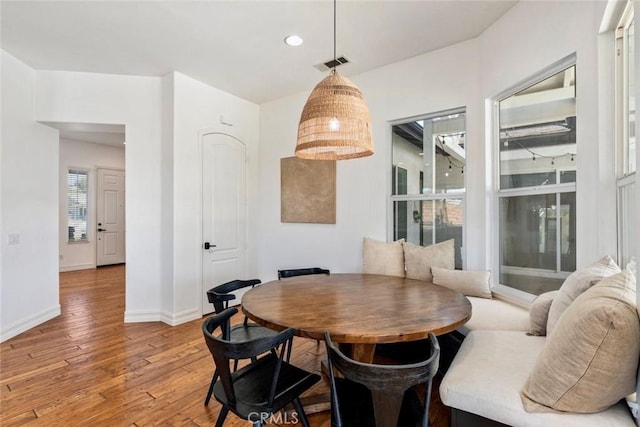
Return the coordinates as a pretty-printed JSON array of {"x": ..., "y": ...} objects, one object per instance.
[{"x": 361, "y": 352}]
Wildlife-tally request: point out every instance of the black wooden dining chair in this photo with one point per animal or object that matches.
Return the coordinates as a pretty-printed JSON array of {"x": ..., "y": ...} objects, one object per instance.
[
  {"x": 220, "y": 296},
  {"x": 283, "y": 274},
  {"x": 380, "y": 395},
  {"x": 264, "y": 386}
]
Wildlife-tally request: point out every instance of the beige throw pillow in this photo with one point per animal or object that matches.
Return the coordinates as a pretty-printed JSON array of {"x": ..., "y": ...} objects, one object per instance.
[
  {"x": 383, "y": 258},
  {"x": 420, "y": 259},
  {"x": 590, "y": 360},
  {"x": 469, "y": 283},
  {"x": 578, "y": 282},
  {"x": 539, "y": 313}
]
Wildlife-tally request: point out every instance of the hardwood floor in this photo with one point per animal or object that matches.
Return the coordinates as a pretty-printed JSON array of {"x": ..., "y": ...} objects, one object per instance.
[{"x": 87, "y": 368}]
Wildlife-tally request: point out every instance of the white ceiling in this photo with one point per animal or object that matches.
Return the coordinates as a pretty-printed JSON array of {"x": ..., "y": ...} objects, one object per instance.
[
  {"x": 236, "y": 46},
  {"x": 95, "y": 133}
]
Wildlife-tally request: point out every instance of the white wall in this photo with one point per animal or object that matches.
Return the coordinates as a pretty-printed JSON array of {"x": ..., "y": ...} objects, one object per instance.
[
  {"x": 163, "y": 187},
  {"x": 136, "y": 103},
  {"x": 198, "y": 107},
  {"x": 466, "y": 74},
  {"x": 29, "y": 207},
  {"x": 84, "y": 156},
  {"x": 163, "y": 171},
  {"x": 166, "y": 204},
  {"x": 636, "y": 8},
  {"x": 442, "y": 80},
  {"x": 554, "y": 30}
]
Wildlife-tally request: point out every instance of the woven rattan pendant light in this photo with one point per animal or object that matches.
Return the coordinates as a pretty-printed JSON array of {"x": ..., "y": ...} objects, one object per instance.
[{"x": 335, "y": 123}]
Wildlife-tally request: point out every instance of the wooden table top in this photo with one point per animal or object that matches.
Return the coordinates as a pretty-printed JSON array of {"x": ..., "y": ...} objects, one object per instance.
[{"x": 357, "y": 308}]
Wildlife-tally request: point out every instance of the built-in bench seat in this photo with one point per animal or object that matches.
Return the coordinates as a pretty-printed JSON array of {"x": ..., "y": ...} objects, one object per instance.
[
  {"x": 489, "y": 362},
  {"x": 487, "y": 374},
  {"x": 496, "y": 315},
  {"x": 486, "y": 314}
]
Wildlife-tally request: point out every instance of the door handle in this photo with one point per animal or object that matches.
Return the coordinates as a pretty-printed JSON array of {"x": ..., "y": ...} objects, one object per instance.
[
  {"x": 101, "y": 229},
  {"x": 208, "y": 245}
]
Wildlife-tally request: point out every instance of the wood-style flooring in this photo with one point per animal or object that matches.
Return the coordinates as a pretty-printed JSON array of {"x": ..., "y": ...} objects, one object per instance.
[{"x": 87, "y": 368}]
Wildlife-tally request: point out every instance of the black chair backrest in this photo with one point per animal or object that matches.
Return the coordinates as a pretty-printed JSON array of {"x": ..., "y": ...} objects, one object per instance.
[
  {"x": 220, "y": 295},
  {"x": 223, "y": 350},
  {"x": 387, "y": 383},
  {"x": 301, "y": 272}
]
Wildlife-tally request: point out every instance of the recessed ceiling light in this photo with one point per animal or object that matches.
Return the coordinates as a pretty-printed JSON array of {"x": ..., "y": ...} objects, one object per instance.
[{"x": 293, "y": 40}]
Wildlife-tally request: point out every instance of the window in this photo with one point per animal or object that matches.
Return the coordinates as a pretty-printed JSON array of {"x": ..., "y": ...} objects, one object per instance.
[
  {"x": 626, "y": 108},
  {"x": 428, "y": 188},
  {"x": 537, "y": 181},
  {"x": 77, "y": 202},
  {"x": 626, "y": 135}
]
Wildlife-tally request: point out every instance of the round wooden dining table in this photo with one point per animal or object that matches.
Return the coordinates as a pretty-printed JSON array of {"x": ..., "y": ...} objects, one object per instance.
[{"x": 358, "y": 309}]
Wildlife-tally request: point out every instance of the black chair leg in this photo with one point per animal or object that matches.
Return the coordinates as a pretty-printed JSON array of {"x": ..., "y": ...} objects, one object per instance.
[
  {"x": 289, "y": 350},
  {"x": 425, "y": 421},
  {"x": 210, "y": 392},
  {"x": 302, "y": 417},
  {"x": 221, "y": 416}
]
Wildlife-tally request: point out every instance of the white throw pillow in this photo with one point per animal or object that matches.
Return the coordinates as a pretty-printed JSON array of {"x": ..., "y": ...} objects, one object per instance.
[
  {"x": 590, "y": 360},
  {"x": 539, "y": 313},
  {"x": 469, "y": 283},
  {"x": 383, "y": 258},
  {"x": 420, "y": 259},
  {"x": 578, "y": 282}
]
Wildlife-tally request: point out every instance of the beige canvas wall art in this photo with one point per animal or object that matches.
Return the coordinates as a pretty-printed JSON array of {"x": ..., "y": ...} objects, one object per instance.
[{"x": 307, "y": 190}]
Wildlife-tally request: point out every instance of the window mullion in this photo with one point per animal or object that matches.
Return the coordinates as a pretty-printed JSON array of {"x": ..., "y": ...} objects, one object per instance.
[{"x": 535, "y": 191}]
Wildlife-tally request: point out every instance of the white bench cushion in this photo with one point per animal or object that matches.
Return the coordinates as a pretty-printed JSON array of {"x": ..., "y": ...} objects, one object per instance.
[
  {"x": 488, "y": 372},
  {"x": 496, "y": 315}
]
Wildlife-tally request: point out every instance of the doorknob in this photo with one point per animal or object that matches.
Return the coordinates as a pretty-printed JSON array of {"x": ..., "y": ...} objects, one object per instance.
[
  {"x": 207, "y": 245},
  {"x": 101, "y": 229}
]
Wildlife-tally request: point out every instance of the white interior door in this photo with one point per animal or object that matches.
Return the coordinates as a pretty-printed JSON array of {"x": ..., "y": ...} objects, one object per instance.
[
  {"x": 110, "y": 217},
  {"x": 224, "y": 212}
]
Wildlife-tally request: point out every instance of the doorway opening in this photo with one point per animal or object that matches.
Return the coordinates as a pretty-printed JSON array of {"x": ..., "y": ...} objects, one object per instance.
[{"x": 91, "y": 195}]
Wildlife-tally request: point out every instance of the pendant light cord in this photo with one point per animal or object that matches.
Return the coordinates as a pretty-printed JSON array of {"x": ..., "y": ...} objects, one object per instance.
[{"x": 334, "y": 32}]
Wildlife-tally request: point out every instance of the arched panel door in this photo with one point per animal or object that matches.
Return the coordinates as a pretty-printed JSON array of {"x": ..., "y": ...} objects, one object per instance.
[{"x": 223, "y": 212}]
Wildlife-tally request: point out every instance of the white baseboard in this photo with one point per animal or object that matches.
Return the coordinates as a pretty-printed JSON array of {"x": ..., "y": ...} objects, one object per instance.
[
  {"x": 66, "y": 268},
  {"x": 25, "y": 324},
  {"x": 170, "y": 319},
  {"x": 141, "y": 316},
  {"x": 182, "y": 317}
]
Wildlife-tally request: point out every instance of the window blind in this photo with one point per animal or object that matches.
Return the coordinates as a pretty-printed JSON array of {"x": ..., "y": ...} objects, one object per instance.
[{"x": 77, "y": 203}]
